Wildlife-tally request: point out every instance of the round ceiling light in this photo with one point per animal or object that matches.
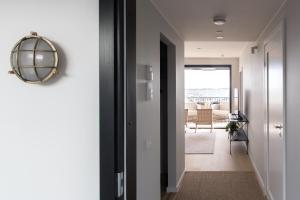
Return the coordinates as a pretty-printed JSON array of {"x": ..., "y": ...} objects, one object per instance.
[
  {"x": 34, "y": 59},
  {"x": 219, "y": 21}
]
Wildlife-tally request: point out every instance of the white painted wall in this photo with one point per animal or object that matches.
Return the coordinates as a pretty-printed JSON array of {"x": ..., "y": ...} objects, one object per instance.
[
  {"x": 293, "y": 98},
  {"x": 253, "y": 104},
  {"x": 49, "y": 134},
  {"x": 150, "y": 25},
  {"x": 235, "y": 71},
  {"x": 252, "y": 66}
]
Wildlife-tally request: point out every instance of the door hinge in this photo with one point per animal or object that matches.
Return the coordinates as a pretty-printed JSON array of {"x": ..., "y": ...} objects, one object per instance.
[{"x": 120, "y": 184}]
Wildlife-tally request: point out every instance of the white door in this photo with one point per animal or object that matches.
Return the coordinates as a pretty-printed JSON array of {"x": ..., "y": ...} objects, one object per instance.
[{"x": 274, "y": 52}]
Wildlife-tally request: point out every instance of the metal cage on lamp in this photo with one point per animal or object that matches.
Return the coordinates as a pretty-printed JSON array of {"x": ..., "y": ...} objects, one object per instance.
[{"x": 34, "y": 59}]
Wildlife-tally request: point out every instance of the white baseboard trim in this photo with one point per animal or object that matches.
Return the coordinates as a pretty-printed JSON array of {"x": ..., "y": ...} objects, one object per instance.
[
  {"x": 269, "y": 196},
  {"x": 176, "y": 189},
  {"x": 180, "y": 180},
  {"x": 258, "y": 176}
]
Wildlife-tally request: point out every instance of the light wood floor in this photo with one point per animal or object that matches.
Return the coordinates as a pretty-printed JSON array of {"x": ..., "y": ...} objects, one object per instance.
[{"x": 221, "y": 160}]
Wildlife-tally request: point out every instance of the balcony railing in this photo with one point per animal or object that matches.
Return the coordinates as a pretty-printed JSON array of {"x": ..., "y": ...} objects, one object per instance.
[{"x": 207, "y": 99}]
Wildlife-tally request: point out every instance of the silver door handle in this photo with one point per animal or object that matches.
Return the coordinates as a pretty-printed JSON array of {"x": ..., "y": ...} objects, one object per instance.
[{"x": 278, "y": 126}]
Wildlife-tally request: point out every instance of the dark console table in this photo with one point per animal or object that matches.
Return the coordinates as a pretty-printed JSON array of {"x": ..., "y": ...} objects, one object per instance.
[{"x": 241, "y": 135}]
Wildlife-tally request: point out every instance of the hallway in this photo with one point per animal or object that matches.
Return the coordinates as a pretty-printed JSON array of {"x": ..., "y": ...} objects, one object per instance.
[
  {"x": 210, "y": 33},
  {"x": 219, "y": 176}
]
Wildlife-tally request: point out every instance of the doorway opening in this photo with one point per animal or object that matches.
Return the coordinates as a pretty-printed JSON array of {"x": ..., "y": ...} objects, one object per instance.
[
  {"x": 164, "y": 117},
  {"x": 168, "y": 125},
  {"x": 209, "y": 99}
]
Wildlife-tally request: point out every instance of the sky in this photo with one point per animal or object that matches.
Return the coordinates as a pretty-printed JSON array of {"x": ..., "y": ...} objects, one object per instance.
[{"x": 195, "y": 79}]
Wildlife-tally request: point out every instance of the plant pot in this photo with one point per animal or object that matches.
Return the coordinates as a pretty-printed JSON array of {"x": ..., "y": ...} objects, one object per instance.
[{"x": 233, "y": 133}]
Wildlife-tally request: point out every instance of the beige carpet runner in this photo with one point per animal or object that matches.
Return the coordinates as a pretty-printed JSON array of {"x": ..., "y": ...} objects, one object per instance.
[{"x": 219, "y": 186}]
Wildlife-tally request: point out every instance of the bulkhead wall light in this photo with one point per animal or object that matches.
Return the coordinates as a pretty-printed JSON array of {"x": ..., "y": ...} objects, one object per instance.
[{"x": 34, "y": 59}]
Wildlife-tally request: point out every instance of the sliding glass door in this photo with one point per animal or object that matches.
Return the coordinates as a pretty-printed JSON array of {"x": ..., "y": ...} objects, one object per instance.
[{"x": 208, "y": 87}]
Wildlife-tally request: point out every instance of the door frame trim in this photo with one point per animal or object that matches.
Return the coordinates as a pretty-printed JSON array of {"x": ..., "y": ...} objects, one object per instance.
[
  {"x": 106, "y": 105},
  {"x": 117, "y": 106},
  {"x": 280, "y": 27},
  {"x": 130, "y": 118}
]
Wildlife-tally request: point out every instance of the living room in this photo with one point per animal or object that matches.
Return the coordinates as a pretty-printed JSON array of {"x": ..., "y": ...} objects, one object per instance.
[{"x": 212, "y": 86}]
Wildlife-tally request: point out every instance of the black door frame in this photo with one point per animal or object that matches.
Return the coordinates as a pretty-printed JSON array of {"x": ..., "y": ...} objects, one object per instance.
[
  {"x": 218, "y": 66},
  {"x": 117, "y": 20}
]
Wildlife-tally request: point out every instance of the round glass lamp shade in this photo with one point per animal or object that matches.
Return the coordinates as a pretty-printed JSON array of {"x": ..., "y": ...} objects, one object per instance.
[{"x": 34, "y": 59}]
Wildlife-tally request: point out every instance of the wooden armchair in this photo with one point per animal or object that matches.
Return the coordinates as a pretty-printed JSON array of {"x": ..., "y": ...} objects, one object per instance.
[
  {"x": 204, "y": 117},
  {"x": 186, "y": 116},
  {"x": 186, "y": 119}
]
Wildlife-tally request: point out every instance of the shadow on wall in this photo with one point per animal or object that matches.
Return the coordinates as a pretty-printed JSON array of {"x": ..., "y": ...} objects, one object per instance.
[{"x": 246, "y": 102}]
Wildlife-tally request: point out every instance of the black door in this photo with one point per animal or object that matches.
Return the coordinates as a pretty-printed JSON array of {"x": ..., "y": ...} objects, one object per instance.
[
  {"x": 117, "y": 99},
  {"x": 164, "y": 117}
]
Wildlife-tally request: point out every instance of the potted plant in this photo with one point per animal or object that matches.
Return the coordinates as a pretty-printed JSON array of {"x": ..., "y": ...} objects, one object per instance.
[{"x": 232, "y": 127}]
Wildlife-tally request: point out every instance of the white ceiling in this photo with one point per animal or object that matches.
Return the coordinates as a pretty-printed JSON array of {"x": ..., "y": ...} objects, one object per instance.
[
  {"x": 214, "y": 49},
  {"x": 192, "y": 19}
]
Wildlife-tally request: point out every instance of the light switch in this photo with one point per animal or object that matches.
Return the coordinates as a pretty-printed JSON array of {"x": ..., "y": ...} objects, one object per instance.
[
  {"x": 149, "y": 91},
  {"x": 149, "y": 73},
  {"x": 148, "y": 144}
]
